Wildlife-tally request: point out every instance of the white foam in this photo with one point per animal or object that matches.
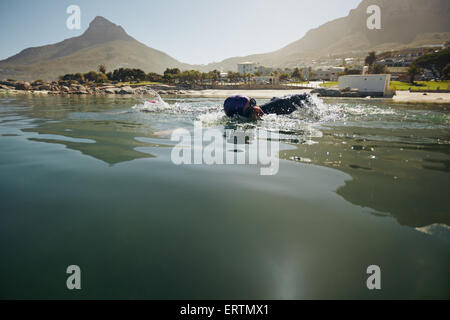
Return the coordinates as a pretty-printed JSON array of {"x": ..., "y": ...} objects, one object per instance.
[
  {"x": 308, "y": 117},
  {"x": 155, "y": 105},
  {"x": 212, "y": 118}
]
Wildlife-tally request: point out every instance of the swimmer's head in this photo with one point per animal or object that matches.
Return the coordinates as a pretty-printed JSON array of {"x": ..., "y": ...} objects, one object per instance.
[{"x": 235, "y": 105}]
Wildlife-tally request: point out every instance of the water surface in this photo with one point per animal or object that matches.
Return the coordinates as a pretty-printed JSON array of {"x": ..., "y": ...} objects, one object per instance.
[{"x": 89, "y": 181}]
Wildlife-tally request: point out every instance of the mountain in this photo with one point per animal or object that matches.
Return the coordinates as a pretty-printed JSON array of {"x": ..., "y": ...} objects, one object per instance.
[
  {"x": 405, "y": 23},
  {"x": 102, "y": 43}
]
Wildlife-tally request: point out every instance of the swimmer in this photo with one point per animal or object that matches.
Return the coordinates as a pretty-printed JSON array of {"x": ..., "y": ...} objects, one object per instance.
[{"x": 247, "y": 107}]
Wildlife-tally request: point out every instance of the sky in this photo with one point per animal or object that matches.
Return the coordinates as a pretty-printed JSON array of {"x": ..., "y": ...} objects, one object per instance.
[{"x": 191, "y": 31}]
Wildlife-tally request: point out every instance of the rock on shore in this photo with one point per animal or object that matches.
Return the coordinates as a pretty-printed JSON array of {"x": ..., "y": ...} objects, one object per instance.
[
  {"x": 344, "y": 93},
  {"x": 66, "y": 87}
]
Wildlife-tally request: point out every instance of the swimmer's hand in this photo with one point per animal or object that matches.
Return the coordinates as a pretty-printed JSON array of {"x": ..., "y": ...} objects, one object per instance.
[{"x": 257, "y": 113}]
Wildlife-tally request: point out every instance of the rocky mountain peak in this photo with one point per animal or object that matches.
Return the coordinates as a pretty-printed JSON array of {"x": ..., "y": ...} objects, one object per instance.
[
  {"x": 101, "y": 22},
  {"x": 104, "y": 30}
]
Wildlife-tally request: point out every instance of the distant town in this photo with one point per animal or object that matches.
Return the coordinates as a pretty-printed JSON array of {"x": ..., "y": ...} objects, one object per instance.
[{"x": 396, "y": 63}]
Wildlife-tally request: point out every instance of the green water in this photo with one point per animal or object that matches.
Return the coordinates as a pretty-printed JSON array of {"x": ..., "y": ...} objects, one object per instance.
[{"x": 89, "y": 181}]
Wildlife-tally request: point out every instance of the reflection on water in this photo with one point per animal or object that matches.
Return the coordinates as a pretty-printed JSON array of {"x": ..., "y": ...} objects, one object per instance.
[
  {"x": 359, "y": 184},
  {"x": 113, "y": 141},
  {"x": 408, "y": 180},
  {"x": 397, "y": 155}
]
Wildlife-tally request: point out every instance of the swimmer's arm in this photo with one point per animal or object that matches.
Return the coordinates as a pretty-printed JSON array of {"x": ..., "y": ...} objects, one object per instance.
[{"x": 257, "y": 113}]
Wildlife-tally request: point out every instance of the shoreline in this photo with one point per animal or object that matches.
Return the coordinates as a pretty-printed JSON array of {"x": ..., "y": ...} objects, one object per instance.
[
  {"x": 400, "y": 97},
  {"x": 418, "y": 97}
]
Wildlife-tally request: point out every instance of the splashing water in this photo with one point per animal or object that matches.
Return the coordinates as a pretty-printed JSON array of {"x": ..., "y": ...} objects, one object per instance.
[
  {"x": 153, "y": 105},
  {"x": 311, "y": 117}
]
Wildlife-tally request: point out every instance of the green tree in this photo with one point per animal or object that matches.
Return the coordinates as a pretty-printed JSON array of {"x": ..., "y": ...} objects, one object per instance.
[
  {"x": 371, "y": 58},
  {"x": 435, "y": 62},
  {"x": 247, "y": 77},
  {"x": 214, "y": 75},
  {"x": 231, "y": 76},
  {"x": 78, "y": 77},
  {"x": 171, "y": 74},
  {"x": 446, "y": 72},
  {"x": 413, "y": 71},
  {"x": 378, "y": 69},
  {"x": 91, "y": 76},
  {"x": 190, "y": 76},
  {"x": 154, "y": 77},
  {"x": 102, "y": 69},
  {"x": 127, "y": 75},
  {"x": 138, "y": 75},
  {"x": 235, "y": 76},
  {"x": 173, "y": 71},
  {"x": 101, "y": 78},
  {"x": 297, "y": 74}
]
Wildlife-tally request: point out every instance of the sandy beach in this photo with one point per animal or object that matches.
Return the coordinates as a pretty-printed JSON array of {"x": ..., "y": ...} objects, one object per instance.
[
  {"x": 262, "y": 94},
  {"x": 401, "y": 96},
  {"x": 420, "y": 97}
]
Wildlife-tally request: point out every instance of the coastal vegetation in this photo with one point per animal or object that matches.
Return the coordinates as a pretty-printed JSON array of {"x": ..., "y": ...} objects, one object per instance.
[
  {"x": 420, "y": 86},
  {"x": 138, "y": 76},
  {"x": 437, "y": 62},
  {"x": 371, "y": 59},
  {"x": 329, "y": 84},
  {"x": 174, "y": 76}
]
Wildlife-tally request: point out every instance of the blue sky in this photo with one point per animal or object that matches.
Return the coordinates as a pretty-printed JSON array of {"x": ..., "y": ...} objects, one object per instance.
[{"x": 192, "y": 31}]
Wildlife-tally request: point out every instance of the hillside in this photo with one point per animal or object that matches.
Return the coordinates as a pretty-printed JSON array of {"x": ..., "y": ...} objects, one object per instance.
[
  {"x": 405, "y": 23},
  {"x": 102, "y": 43}
]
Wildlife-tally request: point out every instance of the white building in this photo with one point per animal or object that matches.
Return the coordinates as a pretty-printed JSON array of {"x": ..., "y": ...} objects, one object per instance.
[
  {"x": 371, "y": 83},
  {"x": 246, "y": 67}
]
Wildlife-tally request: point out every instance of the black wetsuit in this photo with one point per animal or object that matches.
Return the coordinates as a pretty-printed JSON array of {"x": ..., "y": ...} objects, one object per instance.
[{"x": 285, "y": 105}]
